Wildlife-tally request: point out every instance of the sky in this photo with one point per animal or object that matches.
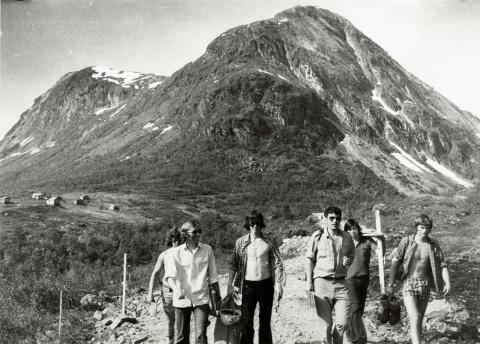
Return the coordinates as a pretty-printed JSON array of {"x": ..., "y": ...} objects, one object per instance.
[{"x": 41, "y": 40}]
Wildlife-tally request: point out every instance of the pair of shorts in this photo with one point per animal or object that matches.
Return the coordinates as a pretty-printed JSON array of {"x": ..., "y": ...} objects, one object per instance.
[{"x": 417, "y": 286}]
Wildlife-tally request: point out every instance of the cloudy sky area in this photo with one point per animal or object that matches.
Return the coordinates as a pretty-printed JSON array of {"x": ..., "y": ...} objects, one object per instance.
[{"x": 41, "y": 40}]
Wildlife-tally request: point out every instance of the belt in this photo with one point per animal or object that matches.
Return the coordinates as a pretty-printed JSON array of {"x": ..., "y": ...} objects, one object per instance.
[{"x": 333, "y": 278}]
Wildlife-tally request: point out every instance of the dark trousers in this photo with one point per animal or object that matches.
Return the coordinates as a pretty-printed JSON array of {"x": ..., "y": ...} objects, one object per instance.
[
  {"x": 357, "y": 291},
  {"x": 253, "y": 292},
  {"x": 182, "y": 324}
]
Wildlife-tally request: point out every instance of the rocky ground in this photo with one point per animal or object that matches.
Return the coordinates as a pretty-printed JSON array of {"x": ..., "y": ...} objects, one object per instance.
[{"x": 447, "y": 320}]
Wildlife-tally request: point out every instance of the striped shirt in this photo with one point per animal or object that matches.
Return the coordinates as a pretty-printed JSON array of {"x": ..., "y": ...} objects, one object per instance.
[{"x": 238, "y": 260}]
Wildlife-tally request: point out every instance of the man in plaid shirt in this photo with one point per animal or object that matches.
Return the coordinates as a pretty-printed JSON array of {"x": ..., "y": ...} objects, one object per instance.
[
  {"x": 256, "y": 268},
  {"x": 424, "y": 268}
]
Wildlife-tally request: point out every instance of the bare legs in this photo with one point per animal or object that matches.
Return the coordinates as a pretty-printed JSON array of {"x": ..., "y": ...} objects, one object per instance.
[{"x": 416, "y": 308}]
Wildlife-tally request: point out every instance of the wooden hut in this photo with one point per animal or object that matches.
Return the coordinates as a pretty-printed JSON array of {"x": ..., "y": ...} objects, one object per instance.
[{"x": 53, "y": 201}]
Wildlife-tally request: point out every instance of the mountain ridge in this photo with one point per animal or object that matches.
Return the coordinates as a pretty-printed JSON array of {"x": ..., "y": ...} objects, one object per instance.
[{"x": 306, "y": 78}]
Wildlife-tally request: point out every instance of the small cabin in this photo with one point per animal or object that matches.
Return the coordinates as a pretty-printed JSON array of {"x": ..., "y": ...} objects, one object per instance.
[
  {"x": 79, "y": 202},
  {"x": 38, "y": 195},
  {"x": 5, "y": 200},
  {"x": 53, "y": 201},
  {"x": 113, "y": 207}
]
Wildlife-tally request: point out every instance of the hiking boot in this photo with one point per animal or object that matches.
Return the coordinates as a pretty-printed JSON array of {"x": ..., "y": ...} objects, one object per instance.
[
  {"x": 394, "y": 310},
  {"x": 384, "y": 315}
]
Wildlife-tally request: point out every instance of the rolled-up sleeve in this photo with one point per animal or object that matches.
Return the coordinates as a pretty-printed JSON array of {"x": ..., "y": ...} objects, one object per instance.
[
  {"x": 212, "y": 267},
  {"x": 170, "y": 267},
  {"x": 440, "y": 256},
  {"x": 400, "y": 250},
  {"x": 233, "y": 261},
  {"x": 312, "y": 246}
]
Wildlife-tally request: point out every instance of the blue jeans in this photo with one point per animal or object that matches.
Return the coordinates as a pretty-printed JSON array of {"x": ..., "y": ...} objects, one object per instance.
[
  {"x": 182, "y": 324},
  {"x": 332, "y": 295}
]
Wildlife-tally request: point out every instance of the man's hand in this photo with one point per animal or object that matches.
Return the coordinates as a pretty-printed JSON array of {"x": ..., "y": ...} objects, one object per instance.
[
  {"x": 446, "y": 289},
  {"x": 279, "y": 290},
  {"x": 347, "y": 261},
  {"x": 309, "y": 286}
]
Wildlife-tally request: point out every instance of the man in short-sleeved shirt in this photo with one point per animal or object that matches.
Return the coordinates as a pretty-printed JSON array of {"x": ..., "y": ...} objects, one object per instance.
[
  {"x": 189, "y": 270},
  {"x": 329, "y": 253}
]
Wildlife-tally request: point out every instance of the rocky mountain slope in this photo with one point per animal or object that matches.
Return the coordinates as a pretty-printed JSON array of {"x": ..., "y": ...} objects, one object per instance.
[{"x": 305, "y": 83}]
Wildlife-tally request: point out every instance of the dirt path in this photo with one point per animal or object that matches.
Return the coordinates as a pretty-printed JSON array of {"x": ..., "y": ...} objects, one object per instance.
[{"x": 296, "y": 322}]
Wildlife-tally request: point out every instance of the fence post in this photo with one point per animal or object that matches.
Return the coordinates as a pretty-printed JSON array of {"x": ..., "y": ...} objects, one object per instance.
[
  {"x": 381, "y": 265},
  {"x": 124, "y": 282},
  {"x": 60, "y": 315}
]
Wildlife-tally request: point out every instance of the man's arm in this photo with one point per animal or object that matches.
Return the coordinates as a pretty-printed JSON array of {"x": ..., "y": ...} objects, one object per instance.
[
  {"x": 311, "y": 255},
  {"x": 212, "y": 273},
  {"x": 309, "y": 272},
  {"x": 155, "y": 272},
  {"x": 390, "y": 289},
  {"x": 446, "y": 279},
  {"x": 233, "y": 265},
  {"x": 231, "y": 278}
]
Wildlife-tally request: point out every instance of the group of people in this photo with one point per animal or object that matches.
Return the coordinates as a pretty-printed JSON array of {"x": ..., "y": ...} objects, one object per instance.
[{"x": 337, "y": 276}]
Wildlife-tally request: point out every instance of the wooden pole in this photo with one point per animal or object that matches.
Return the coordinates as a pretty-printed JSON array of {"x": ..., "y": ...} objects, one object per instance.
[
  {"x": 381, "y": 262},
  {"x": 60, "y": 315},
  {"x": 124, "y": 282}
]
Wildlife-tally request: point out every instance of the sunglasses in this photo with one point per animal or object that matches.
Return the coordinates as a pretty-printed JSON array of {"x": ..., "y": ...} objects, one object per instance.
[{"x": 195, "y": 232}]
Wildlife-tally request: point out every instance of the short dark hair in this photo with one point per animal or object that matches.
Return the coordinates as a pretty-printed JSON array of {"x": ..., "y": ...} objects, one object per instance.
[
  {"x": 352, "y": 223},
  {"x": 172, "y": 235},
  {"x": 254, "y": 218},
  {"x": 332, "y": 210},
  {"x": 423, "y": 220}
]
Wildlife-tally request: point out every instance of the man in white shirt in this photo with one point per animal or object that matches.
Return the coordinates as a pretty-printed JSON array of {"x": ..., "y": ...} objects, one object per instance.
[{"x": 189, "y": 270}]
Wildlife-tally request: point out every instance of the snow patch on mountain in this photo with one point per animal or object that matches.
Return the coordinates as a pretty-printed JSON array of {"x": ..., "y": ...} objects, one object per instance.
[
  {"x": 408, "y": 161},
  {"x": 119, "y": 77},
  {"x": 376, "y": 97},
  {"x": 166, "y": 129},
  {"x": 448, "y": 173},
  {"x": 34, "y": 150},
  {"x": 27, "y": 141},
  {"x": 148, "y": 125},
  {"x": 50, "y": 144},
  {"x": 154, "y": 84},
  {"x": 118, "y": 110},
  {"x": 102, "y": 110}
]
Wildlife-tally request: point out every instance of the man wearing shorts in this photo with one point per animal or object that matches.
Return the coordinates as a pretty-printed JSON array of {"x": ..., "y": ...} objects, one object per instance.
[{"x": 424, "y": 268}]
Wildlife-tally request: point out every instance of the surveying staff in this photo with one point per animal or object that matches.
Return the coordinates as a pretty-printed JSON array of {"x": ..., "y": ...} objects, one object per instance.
[
  {"x": 172, "y": 241},
  {"x": 189, "y": 270},
  {"x": 328, "y": 256}
]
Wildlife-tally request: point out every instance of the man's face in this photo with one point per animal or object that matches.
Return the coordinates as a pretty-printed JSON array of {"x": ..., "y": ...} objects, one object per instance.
[
  {"x": 194, "y": 235},
  {"x": 423, "y": 230},
  {"x": 354, "y": 232},
  {"x": 333, "y": 221},
  {"x": 253, "y": 225}
]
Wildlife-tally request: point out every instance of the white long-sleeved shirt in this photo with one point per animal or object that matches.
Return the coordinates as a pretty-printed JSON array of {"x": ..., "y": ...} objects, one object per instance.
[{"x": 192, "y": 272}]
